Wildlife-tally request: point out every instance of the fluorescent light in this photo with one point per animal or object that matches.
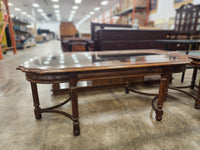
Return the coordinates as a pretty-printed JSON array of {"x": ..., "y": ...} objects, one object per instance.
[
  {"x": 43, "y": 14},
  {"x": 92, "y": 13},
  {"x": 56, "y": 6},
  {"x": 55, "y": 0},
  {"x": 75, "y": 7},
  {"x": 56, "y": 11},
  {"x": 78, "y": 1},
  {"x": 29, "y": 16},
  {"x": 40, "y": 10},
  {"x": 17, "y": 9},
  {"x": 104, "y": 2},
  {"x": 35, "y": 5},
  {"x": 10, "y": 4},
  {"x": 73, "y": 12},
  {"x": 97, "y": 9},
  {"x": 23, "y": 13}
]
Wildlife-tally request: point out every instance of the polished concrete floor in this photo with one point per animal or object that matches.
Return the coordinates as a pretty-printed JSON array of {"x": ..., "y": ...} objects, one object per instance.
[{"x": 109, "y": 119}]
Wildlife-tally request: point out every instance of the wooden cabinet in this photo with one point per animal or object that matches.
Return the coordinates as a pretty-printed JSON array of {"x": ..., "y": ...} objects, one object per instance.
[{"x": 67, "y": 29}]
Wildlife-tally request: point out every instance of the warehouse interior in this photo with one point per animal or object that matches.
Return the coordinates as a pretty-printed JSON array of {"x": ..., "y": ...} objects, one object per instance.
[{"x": 99, "y": 74}]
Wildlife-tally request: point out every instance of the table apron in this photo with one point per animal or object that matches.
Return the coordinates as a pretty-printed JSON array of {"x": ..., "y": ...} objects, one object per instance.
[{"x": 103, "y": 74}]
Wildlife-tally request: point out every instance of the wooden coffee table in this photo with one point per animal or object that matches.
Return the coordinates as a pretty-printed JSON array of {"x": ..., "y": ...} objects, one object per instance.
[{"x": 75, "y": 67}]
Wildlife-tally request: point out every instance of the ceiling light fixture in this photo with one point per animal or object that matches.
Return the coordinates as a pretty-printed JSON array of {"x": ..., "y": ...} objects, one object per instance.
[
  {"x": 40, "y": 10},
  {"x": 57, "y": 11},
  {"x": 75, "y": 7},
  {"x": 91, "y": 13},
  {"x": 17, "y": 9},
  {"x": 10, "y": 4},
  {"x": 97, "y": 8},
  {"x": 56, "y": 6},
  {"x": 73, "y": 12},
  {"x": 55, "y": 0},
  {"x": 35, "y": 5},
  {"x": 23, "y": 13},
  {"x": 78, "y": 1},
  {"x": 104, "y": 2}
]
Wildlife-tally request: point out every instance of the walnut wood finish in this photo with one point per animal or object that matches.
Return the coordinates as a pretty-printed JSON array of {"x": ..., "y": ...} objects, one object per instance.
[
  {"x": 196, "y": 63},
  {"x": 100, "y": 65}
]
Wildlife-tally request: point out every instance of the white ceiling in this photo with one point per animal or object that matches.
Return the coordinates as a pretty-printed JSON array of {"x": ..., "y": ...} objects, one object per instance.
[{"x": 65, "y": 7}]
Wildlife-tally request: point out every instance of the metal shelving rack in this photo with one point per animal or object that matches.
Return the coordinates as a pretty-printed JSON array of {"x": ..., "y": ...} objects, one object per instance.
[{"x": 7, "y": 21}]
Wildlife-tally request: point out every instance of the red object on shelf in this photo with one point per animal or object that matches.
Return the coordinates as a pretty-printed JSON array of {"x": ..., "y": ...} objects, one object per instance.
[{"x": 8, "y": 21}]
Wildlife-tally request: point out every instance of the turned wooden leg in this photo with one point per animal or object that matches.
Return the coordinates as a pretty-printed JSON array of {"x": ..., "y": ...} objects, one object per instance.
[
  {"x": 183, "y": 76},
  {"x": 162, "y": 96},
  {"x": 55, "y": 88},
  {"x": 126, "y": 88},
  {"x": 197, "y": 105},
  {"x": 74, "y": 101},
  {"x": 36, "y": 102},
  {"x": 167, "y": 86},
  {"x": 170, "y": 78},
  {"x": 194, "y": 75}
]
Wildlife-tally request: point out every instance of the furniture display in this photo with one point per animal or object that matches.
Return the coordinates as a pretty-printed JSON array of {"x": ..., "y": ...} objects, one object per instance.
[
  {"x": 195, "y": 57},
  {"x": 130, "y": 39},
  {"x": 188, "y": 42},
  {"x": 67, "y": 30},
  {"x": 76, "y": 44},
  {"x": 187, "y": 26},
  {"x": 83, "y": 66},
  {"x": 188, "y": 18}
]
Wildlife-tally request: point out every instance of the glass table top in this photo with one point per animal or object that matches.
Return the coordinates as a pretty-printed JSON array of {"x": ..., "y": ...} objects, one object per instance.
[{"x": 112, "y": 59}]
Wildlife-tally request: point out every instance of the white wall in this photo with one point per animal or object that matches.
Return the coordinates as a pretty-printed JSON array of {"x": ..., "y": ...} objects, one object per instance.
[
  {"x": 166, "y": 10},
  {"x": 84, "y": 27}
]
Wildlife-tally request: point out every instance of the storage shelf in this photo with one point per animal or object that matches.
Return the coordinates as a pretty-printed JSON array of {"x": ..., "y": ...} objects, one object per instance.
[
  {"x": 20, "y": 22},
  {"x": 20, "y": 31},
  {"x": 130, "y": 10}
]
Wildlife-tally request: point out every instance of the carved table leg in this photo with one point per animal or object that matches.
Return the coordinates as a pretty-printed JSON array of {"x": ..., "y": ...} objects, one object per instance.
[
  {"x": 36, "y": 102},
  {"x": 162, "y": 96},
  {"x": 56, "y": 86},
  {"x": 74, "y": 101},
  {"x": 194, "y": 75},
  {"x": 127, "y": 88},
  {"x": 197, "y": 105}
]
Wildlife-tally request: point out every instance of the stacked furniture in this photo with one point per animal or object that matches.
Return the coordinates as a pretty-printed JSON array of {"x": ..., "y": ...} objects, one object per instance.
[
  {"x": 187, "y": 26},
  {"x": 119, "y": 37}
]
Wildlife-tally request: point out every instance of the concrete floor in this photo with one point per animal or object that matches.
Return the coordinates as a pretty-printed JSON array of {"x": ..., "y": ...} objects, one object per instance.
[{"x": 109, "y": 119}]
